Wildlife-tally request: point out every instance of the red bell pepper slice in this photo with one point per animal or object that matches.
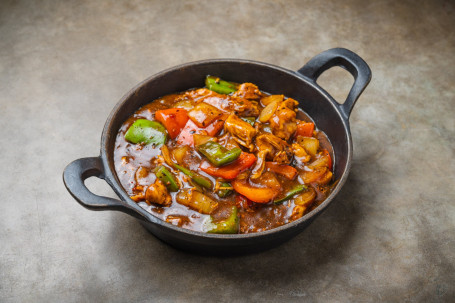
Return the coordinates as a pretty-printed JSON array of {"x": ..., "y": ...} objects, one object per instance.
[
  {"x": 285, "y": 170},
  {"x": 186, "y": 135},
  {"x": 305, "y": 129},
  {"x": 255, "y": 194},
  {"x": 232, "y": 170},
  {"x": 326, "y": 153},
  {"x": 174, "y": 119}
]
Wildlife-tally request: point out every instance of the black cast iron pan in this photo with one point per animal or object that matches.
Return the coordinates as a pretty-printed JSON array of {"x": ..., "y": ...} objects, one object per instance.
[{"x": 329, "y": 115}]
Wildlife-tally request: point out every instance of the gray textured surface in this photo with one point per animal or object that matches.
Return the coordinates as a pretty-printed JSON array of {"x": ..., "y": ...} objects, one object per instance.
[{"x": 389, "y": 236}]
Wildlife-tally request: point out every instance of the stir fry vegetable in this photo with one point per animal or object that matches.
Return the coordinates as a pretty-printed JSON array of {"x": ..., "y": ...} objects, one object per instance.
[
  {"x": 174, "y": 119},
  {"x": 196, "y": 200},
  {"x": 224, "y": 190},
  {"x": 197, "y": 178},
  {"x": 305, "y": 129},
  {"x": 167, "y": 178},
  {"x": 219, "y": 86},
  {"x": 217, "y": 154},
  {"x": 232, "y": 170},
  {"x": 226, "y": 158},
  {"x": 186, "y": 135},
  {"x": 285, "y": 170},
  {"x": 228, "y": 226},
  {"x": 146, "y": 132},
  {"x": 203, "y": 114},
  {"x": 297, "y": 189},
  {"x": 255, "y": 194}
]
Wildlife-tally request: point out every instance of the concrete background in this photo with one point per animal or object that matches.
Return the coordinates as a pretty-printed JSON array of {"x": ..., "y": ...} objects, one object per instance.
[{"x": 389, "y": 235}]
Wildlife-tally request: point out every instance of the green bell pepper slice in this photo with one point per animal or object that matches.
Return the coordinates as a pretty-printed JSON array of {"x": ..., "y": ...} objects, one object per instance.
[
  {"x": 223, "y": 193},
  {"x": 217, "y": 154},
  {"x": 228, "y": 226},
  {"x": 147, "y": 132},
  {"x": 167, "y": 178},
  {"x": 297, "y": 189},
  {"x": 197, "y": 178},
  {"x": 219, "y": 86}
]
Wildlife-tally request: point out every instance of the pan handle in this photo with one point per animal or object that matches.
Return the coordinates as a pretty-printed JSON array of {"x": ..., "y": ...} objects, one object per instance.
[
  {"x": 346, "y": 59},
  {"x": 74, "y": 176}
]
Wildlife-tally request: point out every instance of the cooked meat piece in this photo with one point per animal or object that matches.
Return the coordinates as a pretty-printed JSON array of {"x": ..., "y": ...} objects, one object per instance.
[
  {"x": 283, "y": 122},
  {"x": 244, "y": 107},
  {"x": 281, "y": 157},
  {"x": 231, "y": 104},
  {"x": 138, "y": 197},
  {"x": 241, "y": 131},
  {"x": 157, "y": 193},
  {"x": 219, "y": 101},
  {"x": 273, "y": 144},
  {"x": 290, "y": 103},
  {"x": 178, "y": 220},
  {"x": 238, "y": 106},
  {"x": 248, "y": 91},
  {"x": 270, "y": 147},
  {"x": 300, "y": 153},
  {"x": 297, "y": 212},
  {"x": 199, "y": 94}
]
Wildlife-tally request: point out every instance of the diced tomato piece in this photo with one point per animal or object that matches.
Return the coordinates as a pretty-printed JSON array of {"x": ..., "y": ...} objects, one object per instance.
[
  {"x": 305, "y": 129},
  {"x": 286, "y": 170},
  {"x": 174, "y": 119},
  {"x": 232, "y": 170},
  {"x": 186, "y": 135},
  {"x": 255, "y": 194}
]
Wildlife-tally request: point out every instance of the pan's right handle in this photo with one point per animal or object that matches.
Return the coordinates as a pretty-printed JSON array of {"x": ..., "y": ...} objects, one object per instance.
[
  {"x": 74, "y": 176},
  {"x": 346, "y": 59}
]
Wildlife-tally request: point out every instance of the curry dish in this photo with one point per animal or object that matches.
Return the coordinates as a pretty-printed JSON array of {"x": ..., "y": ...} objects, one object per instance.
[{"x": 227, "y": 158}]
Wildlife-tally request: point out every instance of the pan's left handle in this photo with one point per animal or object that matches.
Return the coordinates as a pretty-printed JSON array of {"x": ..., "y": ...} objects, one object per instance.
[
  {"x": 74, "y": 176},
  {"x": 346, "y": 59}
]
